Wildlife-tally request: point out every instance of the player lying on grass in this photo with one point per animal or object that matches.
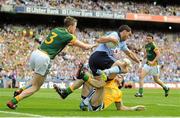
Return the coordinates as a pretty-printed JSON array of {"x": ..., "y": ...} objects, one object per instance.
[
  {"x": 40, "y": 59},
  {"x": 151, "y": 67},
  {"x": 124, "y": 66},
  {"x": 111, "y": 93}
]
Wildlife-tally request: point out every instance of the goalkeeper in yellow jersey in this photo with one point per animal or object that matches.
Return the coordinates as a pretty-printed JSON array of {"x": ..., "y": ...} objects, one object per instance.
[
  {"x": 111, "y": 94},
  {"x": 95, "y": 99}
]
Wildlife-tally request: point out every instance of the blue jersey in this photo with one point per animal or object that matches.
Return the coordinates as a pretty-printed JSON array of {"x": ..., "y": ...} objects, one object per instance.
[{"x": 104, "y": 48}]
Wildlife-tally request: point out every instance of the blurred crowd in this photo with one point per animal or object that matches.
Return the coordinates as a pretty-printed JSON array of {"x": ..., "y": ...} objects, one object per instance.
[
  {"x": 122, "y": 6},
  {"x": 17, "y": 42}
]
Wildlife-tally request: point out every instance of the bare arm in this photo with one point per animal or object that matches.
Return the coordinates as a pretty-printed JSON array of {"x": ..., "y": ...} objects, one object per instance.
[
  {"x": 105, "y": 39},
  {"x": 156, "y": 50},
  {"x": 120, "y": 106},
  {"x": 132, "y": 56},
  {"x": 145, "y": 54},
  {"x": 83, "y": 45},
  {"x": 157, "y": 55}
]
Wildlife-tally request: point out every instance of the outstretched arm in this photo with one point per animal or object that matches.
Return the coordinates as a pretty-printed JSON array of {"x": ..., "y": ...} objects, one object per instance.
[
  {"x": 131, "y": 55},
  {"x": 120, "y": 106},
  {"x": 83, "y": 45},
  {"x": 156, "y": 50},
  {"x": 106, "y": 39}
]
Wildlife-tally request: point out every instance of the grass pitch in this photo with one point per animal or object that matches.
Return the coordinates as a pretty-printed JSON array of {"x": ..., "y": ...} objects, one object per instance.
[{"x": 47, "y": 103}]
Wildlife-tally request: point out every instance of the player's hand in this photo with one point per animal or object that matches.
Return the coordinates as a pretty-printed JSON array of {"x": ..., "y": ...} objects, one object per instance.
[
  {"x": 139, "y": 108},
  {"x": 92, "y": 46}
]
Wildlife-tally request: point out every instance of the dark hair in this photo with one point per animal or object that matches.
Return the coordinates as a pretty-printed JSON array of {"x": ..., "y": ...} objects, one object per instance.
[
  {"x": 150, "y": 35},
  {"x": 124, "y": 27},
  {"x": 69, "y": 21}
]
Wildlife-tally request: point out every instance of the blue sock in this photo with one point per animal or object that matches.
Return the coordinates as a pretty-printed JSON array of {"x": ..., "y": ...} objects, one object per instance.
[{"x": 113, "y": 70}]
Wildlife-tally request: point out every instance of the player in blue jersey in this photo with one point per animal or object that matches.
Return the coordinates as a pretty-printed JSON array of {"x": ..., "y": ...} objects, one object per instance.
[{"x": 103, "y": 59}]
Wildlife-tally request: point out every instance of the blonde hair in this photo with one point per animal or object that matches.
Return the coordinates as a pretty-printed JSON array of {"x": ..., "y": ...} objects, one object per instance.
[{"x": 69, "y": 21}]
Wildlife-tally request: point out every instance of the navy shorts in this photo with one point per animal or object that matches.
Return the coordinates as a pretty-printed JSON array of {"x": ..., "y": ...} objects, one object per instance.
[{"x": 99, "y": 60}]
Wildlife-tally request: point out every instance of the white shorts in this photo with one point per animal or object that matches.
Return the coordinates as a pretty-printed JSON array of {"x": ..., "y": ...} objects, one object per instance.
[
  {"x": 152, "y": 70},
  {"x": 40, "y": 62},
  {"x": 85, "y": 104},
  {"x": 88, "y": 107}
]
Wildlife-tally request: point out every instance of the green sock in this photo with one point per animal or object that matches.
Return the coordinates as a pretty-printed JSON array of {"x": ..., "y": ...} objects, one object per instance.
[
  {"x": 21, "y": 89},
  {"x": 25, "y": 87},
  {"x": 86, "y": 77},
  {"x": 14, "y": 101},
  {"x": 103, "y": 76},
  {"x": 68, "y": 90},
  {"x": 141, "y": 90}
]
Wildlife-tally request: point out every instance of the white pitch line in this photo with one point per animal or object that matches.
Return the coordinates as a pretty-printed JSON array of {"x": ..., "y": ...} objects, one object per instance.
[
  {"x": 24, "y": 114},
  {"x": 33, "y": 115},
  {"x": 112, "y": 117},
  {"x": 171, "y": 105}
]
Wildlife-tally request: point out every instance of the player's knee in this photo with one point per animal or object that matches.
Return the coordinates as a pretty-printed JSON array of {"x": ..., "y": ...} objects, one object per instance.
[
  {"x": 100, "y": 86},
  {"x": 142, "y": 75},
  {"x": 35, "y": 88},
  {"x": 156, "y": 79},
  {"x": 117, "y": 63}
]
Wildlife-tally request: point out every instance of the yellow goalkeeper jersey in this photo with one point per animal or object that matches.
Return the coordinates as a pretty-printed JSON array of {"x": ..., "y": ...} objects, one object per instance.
[{"x": 111, "y": 93}]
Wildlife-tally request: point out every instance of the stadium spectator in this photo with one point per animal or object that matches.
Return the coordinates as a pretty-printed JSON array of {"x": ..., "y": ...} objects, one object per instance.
[
  {"x": 15, "y": 47},
  {"x": 101, "y": 5}
]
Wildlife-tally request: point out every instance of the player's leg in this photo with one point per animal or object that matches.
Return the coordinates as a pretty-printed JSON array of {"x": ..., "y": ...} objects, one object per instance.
[
  {"x": 100, "y": 61},
  {"x": 117, "y": 68},
  {"x": 40, "y": 63},
  {"x": 92, "y": 98},
  {"x": 86, "y": 89},
  {"x": 67, "y": 91},
  {"x": 87, "y": 77},
  {"x": 165, "y": 88},
  {"x": 18, "y": 91},
  {"x": 114, "y": 69},
  {"x": 144, "y": 72},
  {"x": 97, "y": 60},
  {"x": 76, "y": 84},
  {"x": 81, "y": 78},
  {"x": 156, "y": 77},
  {"x": 36, "y": 84},
  {"x": 97, "y": 99}
]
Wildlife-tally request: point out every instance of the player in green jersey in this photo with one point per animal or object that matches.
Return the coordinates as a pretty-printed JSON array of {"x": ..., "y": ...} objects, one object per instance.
[
  {"x": 151, "y": 67},
  {"x": 40, "y": 59}
]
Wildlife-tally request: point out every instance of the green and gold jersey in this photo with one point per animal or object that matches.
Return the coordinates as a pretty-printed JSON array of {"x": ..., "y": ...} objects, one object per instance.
[
  {"x": 56, "y": 41},
  {"x": 150, "y": 50}
]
